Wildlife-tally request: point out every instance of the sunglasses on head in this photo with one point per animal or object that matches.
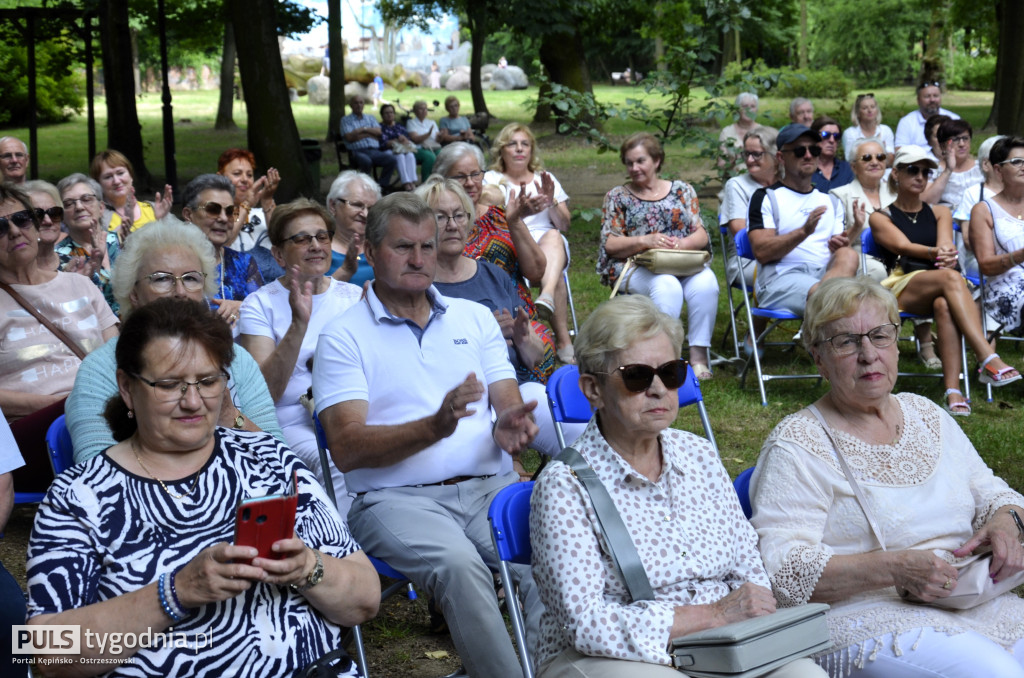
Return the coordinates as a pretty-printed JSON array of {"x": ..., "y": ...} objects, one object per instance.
[
  {"x": 834, "y": 135},
  {"x": 22, "y": 219},
  {"x": 215, "y": 208},
  {"x": 933, "y": 83},
  {"x": 801, "y": 151},
  {"x": 55, "y": 213},
  {"x": 914, "y": 170},
  {"x": 880, "y": 157},
  {"x": 637, "y": 378}
]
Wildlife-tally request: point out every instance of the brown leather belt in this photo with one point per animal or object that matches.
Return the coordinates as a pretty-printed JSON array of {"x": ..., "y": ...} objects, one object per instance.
[{"x": 450, "y": 481}]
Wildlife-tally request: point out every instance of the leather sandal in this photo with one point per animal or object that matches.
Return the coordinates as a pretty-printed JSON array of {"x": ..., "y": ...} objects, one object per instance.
[
  {"x": 932, "y": 362},
  {"x": 961, "y": 408},
  {"x": 701, "y": 371},
  {"x": 545, "y": 307},
  {"x": 990, "y": 376}
]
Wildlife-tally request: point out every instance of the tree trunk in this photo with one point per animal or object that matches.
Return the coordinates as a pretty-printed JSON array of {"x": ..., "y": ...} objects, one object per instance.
[
  {"x": 124, "y": 133},
  {"x": 476, "y": 13},
  {"x": 273, "y": 135},
  {"x": 932, "y": 67},
  {"x": 225, "y": 108},
  {"x": 1008, "y": 107},
  {"x": 336, "y": 100},
  {"x": 562, "y": 56}
]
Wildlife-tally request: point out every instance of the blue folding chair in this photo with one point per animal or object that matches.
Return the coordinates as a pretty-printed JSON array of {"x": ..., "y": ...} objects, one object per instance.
[
  {"x": 775, "y": 317},
  {"x": 569, "y": 405},
  {"x": 742, "y": 487},
  {"x": 724, "y": 236},
  {"x": 509, "y": 515},
  {"x": 58, "y": 444},
  {"x": 868, "y": 247}
]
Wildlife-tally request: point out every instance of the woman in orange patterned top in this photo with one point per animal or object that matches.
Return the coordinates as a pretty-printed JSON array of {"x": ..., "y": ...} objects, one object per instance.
[{"x": 647, "y": 213}]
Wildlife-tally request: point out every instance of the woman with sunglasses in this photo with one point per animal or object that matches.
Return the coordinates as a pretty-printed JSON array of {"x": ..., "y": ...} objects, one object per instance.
[
  {"x": 349, "y": 201},
  {"x": 961, "y": 169},
  {"x": 866, "y": 117},
  {"x": 917, "y": 244},
  {"x": 281, "y": 322},
  {"x": 165, "y": 259},
  {"x": 675, "y": 498},
  {"x": 37, "y": 364},
  {"x": 833, "y": 171},
  {"x": 867, "y": 190},
  {"x": 115, "y": 174},
  {"x": 46, "y": 199},
  {"x": 209, "y": 203},
  {"x": 997, "y": 237},
  {"x": 930, "y": 492}
]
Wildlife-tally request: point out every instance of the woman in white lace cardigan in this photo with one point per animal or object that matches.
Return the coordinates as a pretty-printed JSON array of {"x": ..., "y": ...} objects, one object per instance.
[{"x": 934, "y": 498}]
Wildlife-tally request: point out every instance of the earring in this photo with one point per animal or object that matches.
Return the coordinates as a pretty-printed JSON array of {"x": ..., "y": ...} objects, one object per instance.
[{"x": 131, "y": 415}]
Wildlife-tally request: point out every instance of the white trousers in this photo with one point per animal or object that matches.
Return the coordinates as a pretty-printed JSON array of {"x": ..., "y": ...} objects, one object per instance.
[
  {"x": 572, "y": 664},
  {"x": 934, "y": 655},
  {"x": 699, "y": 291},
  {"x": 406, "y": 167}
]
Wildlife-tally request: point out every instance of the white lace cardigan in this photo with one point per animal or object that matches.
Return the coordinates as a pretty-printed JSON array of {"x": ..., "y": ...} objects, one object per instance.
[{"x": 931, "y": 490}]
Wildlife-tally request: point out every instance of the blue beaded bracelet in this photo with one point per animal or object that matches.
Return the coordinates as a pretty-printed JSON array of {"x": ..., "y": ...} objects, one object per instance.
[
  {"x": 161, "y": 589},
  {"x": 178, "y": 607}
]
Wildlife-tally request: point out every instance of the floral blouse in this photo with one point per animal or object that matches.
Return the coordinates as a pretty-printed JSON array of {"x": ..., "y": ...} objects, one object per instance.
[
  {"x": 690, "y": 532},
  {"x": 677, "y": 214},
  {"x": 389, "y": 133}
]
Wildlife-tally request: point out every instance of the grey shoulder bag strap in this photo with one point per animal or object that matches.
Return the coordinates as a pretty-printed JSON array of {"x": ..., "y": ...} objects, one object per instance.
[{"x": 610, "y": 523}]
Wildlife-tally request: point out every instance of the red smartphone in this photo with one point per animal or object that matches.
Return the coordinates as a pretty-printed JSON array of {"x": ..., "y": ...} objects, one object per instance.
[{"x": 261, "y": 521}]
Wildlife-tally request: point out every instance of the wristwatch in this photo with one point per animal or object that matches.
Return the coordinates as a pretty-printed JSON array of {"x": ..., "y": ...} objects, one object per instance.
[{"x": 315, "y": 576}]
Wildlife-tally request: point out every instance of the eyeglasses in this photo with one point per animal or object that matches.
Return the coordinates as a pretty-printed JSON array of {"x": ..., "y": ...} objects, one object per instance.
[
  {"x": 845, "y": 344},
  {"x": 163, "y": 282},
  {"x": 801, "y": 151},
  {"x": 458, "y": 218},
  {"x": 171, "y": 390},
  {"x": 637, "y": 378},
  {"x": 356, "y": 205},
  {"x": 753, "y": 155},
  {"x": 11, "y": 156},
  {"x": 55, "y": 213},
  {"x": 23, "y": 219},
  {"x": 1016, "y": 162},
  {"x": 463, "y": 178},
  {"x": 86, "y": 200},
  {"x": 962, "y": 139},
  {"x": 880, "y": 157},
  {"x": 303, "y": 239},
  {"x": 834, "y": 135},
  {"x": 914, "y": 170},
  {"x": 215, "y": 208}
]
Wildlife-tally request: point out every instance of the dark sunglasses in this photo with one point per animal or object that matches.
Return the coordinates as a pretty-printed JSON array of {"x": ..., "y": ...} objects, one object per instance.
[
  {"x": 801, "y": 151},
  {"x": 55, "y": 213},
  {"x": 933, "y": 83},
  {"x": 638, "y": 378},
  {"x": 914, "y": 170},
  {"x": 825, "y": 135},
  {"x": 22, "y": 219},
  {"x": 881, "y": 157},
  {"x": 215, "y": 208}
]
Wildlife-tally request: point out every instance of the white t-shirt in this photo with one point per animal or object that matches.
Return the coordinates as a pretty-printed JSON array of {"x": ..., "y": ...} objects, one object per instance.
[
  {"x": 536, "y": 222},
  {"x": 854, "y": 135},
  {"x": 958, "y": 183},
  {"x": 738, "y": 192},
  {"x": 794, "y": 208},
  {"x": 266, "y": 313},
  {"x": 910, "y": 129},
  {"x": 415, "y": 126},
  {"x": 369, "y": 355}
]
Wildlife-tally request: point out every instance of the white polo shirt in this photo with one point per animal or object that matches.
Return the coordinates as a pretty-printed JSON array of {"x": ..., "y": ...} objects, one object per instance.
[
  {"x": 910, "y": 129},
  {"x": 368, "y": 354}
]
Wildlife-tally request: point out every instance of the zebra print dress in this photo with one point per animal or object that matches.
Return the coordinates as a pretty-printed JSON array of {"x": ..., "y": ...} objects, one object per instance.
[{"x": 102, "y": 532}]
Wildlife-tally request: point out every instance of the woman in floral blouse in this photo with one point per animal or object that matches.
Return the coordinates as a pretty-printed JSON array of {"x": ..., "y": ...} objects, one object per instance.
[
  {"x": 647, "y": 213},
  {"x": 395, "y": 138}
]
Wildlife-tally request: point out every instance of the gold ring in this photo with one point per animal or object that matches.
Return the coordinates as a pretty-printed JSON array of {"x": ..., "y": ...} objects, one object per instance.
[{"x": 948, "y": 584}]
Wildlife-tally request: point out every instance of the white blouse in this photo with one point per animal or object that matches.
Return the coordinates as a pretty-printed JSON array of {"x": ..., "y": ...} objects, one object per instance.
[{"x": 930, "y": 491}]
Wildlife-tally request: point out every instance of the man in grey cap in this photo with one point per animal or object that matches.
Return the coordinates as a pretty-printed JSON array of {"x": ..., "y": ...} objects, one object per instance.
[{"x": 796, "y": 231}]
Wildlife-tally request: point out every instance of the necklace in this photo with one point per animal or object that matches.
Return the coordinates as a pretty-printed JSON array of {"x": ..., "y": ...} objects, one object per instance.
[
  {"x": 195, "y": 482},
  {"x": 908, "y": 215}
]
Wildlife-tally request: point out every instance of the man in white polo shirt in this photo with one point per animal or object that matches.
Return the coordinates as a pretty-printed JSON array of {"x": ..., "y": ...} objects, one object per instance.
[
  {"x": 404, "y": 383},
  {"x": 796, "y": 231},
  {"x": 910, "y": 130}
]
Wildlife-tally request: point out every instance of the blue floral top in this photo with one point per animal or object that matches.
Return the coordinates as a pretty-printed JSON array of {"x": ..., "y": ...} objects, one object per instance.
[
  {"x": 389, "y": 133},
  {"x": 240, "y": 277},
  {"x": 68, "y": 248}
]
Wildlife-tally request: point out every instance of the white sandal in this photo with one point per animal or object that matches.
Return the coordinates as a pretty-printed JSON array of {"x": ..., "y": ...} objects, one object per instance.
[{"x": 958, "y": 409}]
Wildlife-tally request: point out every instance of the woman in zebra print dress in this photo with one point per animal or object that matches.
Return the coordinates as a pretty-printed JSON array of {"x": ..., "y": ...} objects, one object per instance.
[{"x": 137, "y": 541}]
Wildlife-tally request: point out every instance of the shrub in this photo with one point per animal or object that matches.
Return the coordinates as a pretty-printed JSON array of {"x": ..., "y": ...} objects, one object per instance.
[
  {"x": 823, "y": 83},
  {"x": 972, "y": 72}
]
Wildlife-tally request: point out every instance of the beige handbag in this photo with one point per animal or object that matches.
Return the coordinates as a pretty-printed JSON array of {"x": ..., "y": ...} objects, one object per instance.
[{"x": 680, "y": 263}]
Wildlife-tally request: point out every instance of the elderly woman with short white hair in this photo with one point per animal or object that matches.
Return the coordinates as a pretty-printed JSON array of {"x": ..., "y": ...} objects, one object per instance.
[
  {"x": 867, "y": 193},
  {"x": 731, "y": 138},
  {"x": 675, "y": 499},
  {"x": 352, "y": 195}
]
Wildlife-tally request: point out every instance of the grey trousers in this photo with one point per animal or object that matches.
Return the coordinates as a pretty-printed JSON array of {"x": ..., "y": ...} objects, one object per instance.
[
  {"x": 439, "y": 537},
  {"x": 572, "y": 664}
]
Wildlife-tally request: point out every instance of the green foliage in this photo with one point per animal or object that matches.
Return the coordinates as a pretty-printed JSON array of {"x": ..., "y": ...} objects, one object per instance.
[
  {"x": 520, "y": 51},
  {"x": 971, "y": 72},
  {"x": 874, "y": 41},
  {"x": 786, "y": 82},
  {"x": 58, "y": 89}
]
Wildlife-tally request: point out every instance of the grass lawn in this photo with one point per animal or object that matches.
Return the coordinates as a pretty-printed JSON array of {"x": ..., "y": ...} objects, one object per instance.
[{"x": 739, "y": 421}]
